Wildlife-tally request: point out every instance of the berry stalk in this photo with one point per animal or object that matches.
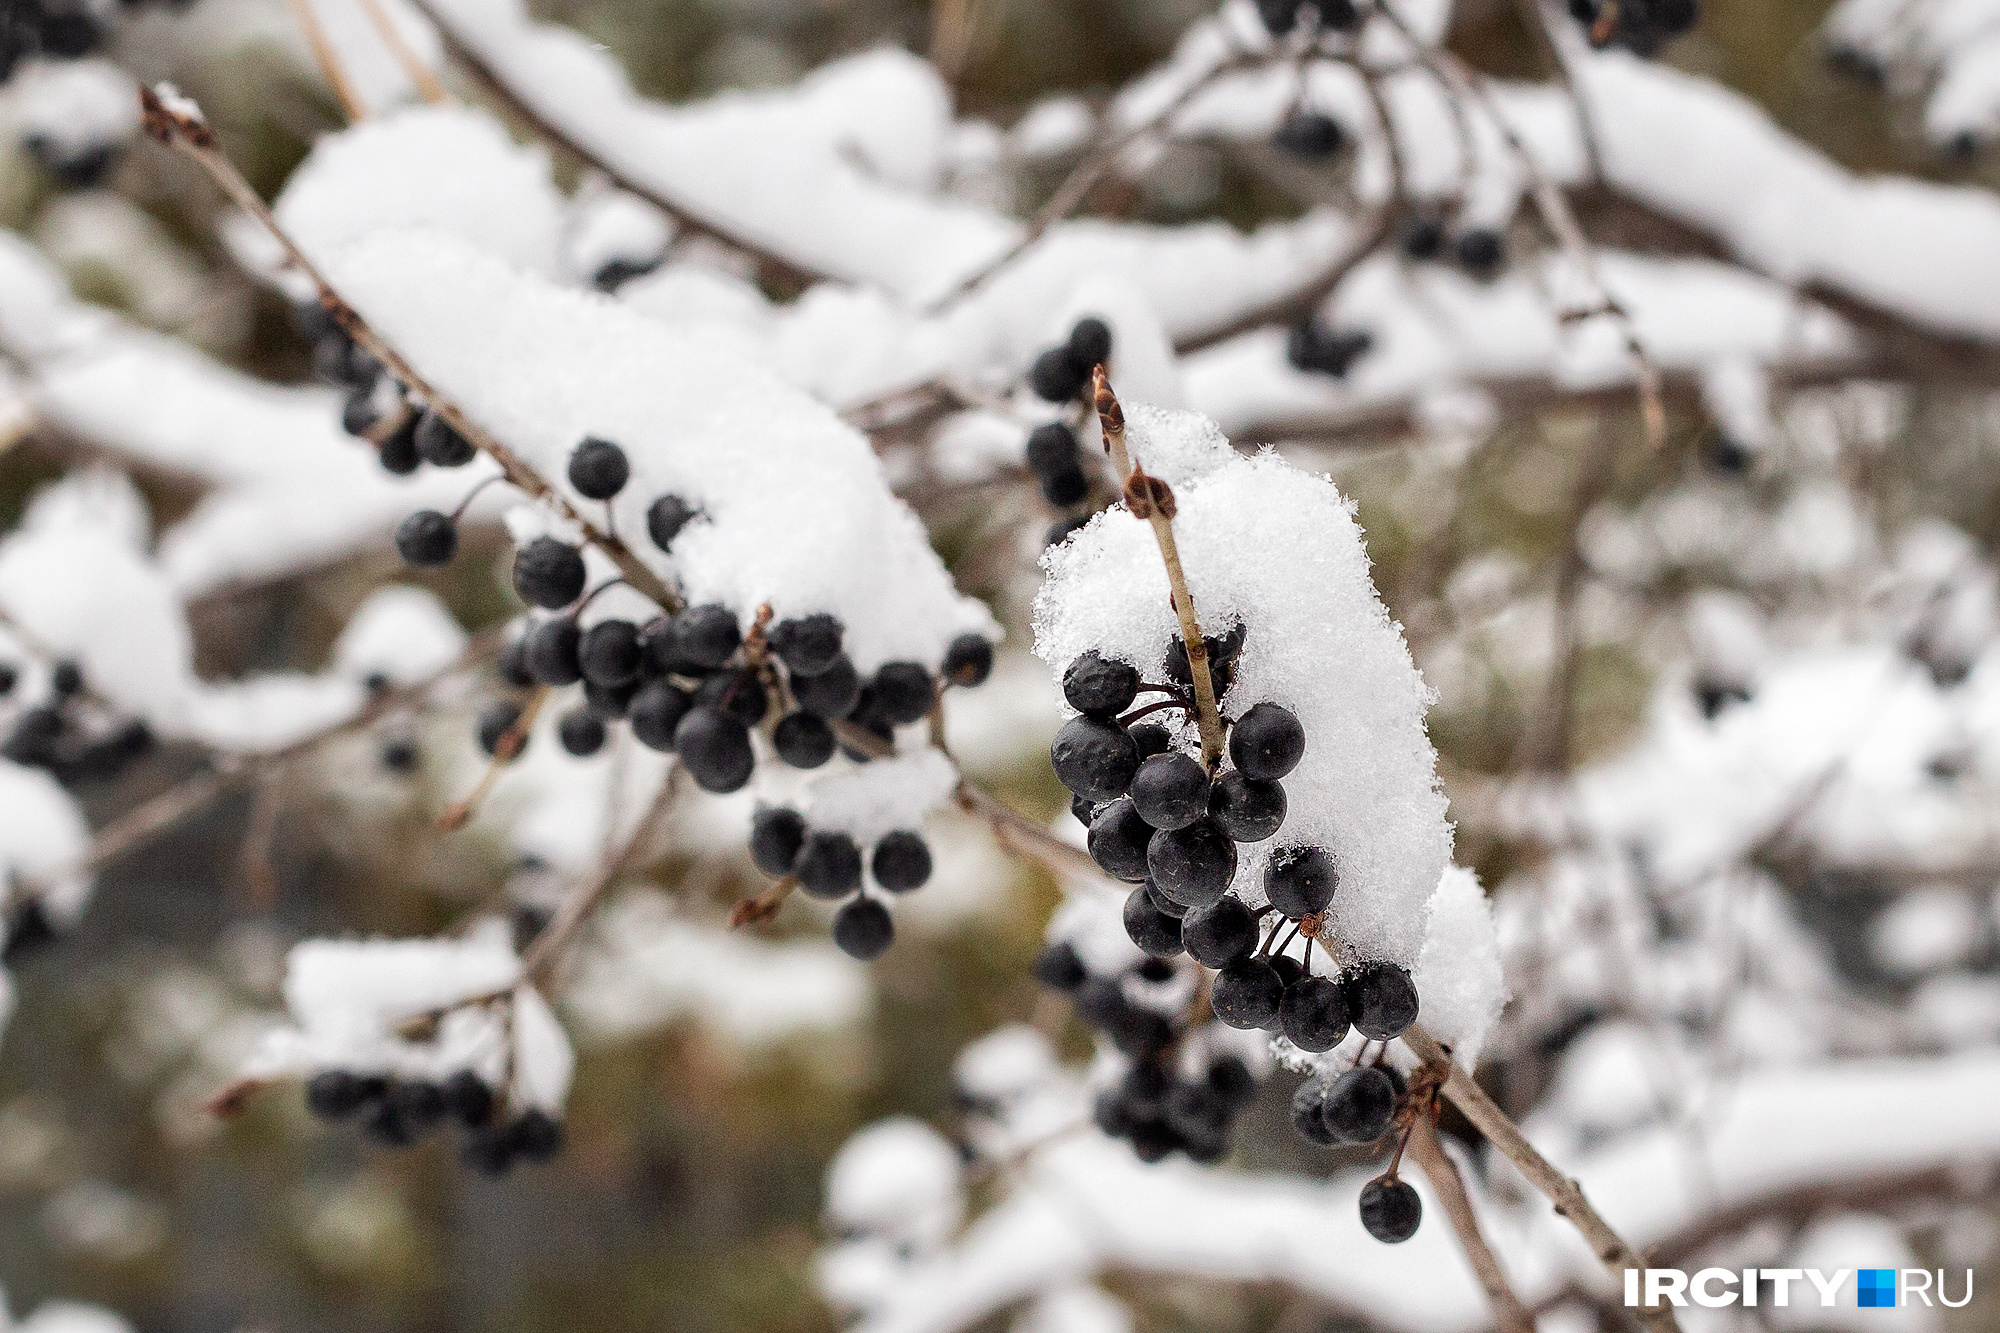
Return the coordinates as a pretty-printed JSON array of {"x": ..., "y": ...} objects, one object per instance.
[{"x": 1150, "y": 499}]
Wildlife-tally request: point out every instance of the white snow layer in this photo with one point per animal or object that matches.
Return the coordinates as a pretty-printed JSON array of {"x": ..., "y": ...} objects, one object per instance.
[{"x": 1276, "y": 548}]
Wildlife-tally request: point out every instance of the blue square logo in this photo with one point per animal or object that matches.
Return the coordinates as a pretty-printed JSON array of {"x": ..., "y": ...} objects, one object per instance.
[{"x": 1877, "y": 1287}]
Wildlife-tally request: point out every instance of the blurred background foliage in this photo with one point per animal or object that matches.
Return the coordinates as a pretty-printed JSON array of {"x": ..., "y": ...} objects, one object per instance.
[{"x": 688, "y": 1199}]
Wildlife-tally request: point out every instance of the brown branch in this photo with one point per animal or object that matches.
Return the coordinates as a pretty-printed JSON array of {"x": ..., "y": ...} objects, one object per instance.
[
  {"x": 1567, "y": 1196},
  {"x": 548, "y": 947},
  {"x": 778, "y": 270},
  {"x": 1537, "y": 17},
  {"x": 328, "y": 61},
  {"x": 1149, "y": 498},
  {"x": 190, "y": 135},
  {"x": 1508, "y": 1313},
  {"x": 425, "y": 82},
  {"x": 506, "y": 749}
]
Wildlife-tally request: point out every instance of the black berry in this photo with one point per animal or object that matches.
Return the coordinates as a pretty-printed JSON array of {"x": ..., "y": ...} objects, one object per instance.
[
  {"x": 1152, "y": 930},
  {"x": 1090, "y": 342},
  {"x": 398, "y": 454},
  {"x": 807, "y": 645},
  {"x": 609, "y": 654},
  {"x": 1247, "y": 810},
  {"x": 830, "y": 693},
  {"x": 552, "y": 652},
  {"x": 581, "y": 732},
  {"x": 1480, "y": 252},
  {"x": 1192, "y": 865},
  {"x": 904, "y": 691},
  {"x": 706, "y": 636},
  {"x": 775, "y": 837},
  {"x": 1220, "y": 934},
  {"x": 1052, "y": 448},
  {"x": 1359, "y": 1105},
  {"x": 1100, "y": 687},
  {"x": 1247, "y": 994},
  {"x": 969, "y": 660},
  {"x": 1058, "y": 967},
  {"x": 1308, "y": 1113},
  {"x": 496, "y": 722},
  {"x": 1266, "y": 743},
  {"x": 901, "y": 861},
  {"x": 1170, "y": 791},
  {"x": 1382, "y": 999},
  {"x": 1094, "y": 759},
  {"x": 1313, "y": 1014},
  {"x": 439, "y": 443},
  {"x": 1065, "y": 488},
  {"x": 467, "y": 1099},
  {"x": 665, "y": 518},
  {"x": 1390, "y": 1209},
  {"x": 1313, "y": 135},
  {"x": 716, "y": 749},
  {"x": 828, "y": 865},
  {"x": 656, "y": 711},
  {"x": 1057, "y": 376},
  {"x": 863, "y": 929},
  {"x": 738, "y": 693},
  {"x": 427, "y": 539},
  {"x": 599, "y": 469},
  {"x": 548, "y": 573},
  {"x": 1300, "y": 882},
  {"x": 336, "y": 1094},
  {"x": 803, "y": 740},
  {"x": 1117, "y": 841}
]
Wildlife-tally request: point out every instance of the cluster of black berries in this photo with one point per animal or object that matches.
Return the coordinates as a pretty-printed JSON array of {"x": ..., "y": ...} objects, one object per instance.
[
  {"x": 66, "y": 737},
  {"x": 1640, "y": 26},
  {"x": 396, "y": 1112},
  {"x": 59, "y": 31},
  {"x": 1062, "y": 373},
  {"x": 828, "y": 864},
  {"x": 1356, "y": 1108},
  {"x": 1283, "y": 16},
  {"x": 1481, "y": 252},
  {"x": 1317, "y": 347},
  {"x": 1154, "y": 1107}
]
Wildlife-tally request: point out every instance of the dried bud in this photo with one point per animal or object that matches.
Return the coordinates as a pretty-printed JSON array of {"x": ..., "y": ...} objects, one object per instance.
[{"x": 1145, "y": 494}]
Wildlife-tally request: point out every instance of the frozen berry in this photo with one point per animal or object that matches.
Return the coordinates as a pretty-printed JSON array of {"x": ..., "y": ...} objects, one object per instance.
[
  {"x": 427, "y": 539},
  {"x": 1065, "y": 488},
  {"x": 1313, "y": 135},
  {"x": 1382, "y": 999},
  {"x": 1058, "y": 967},
  {"x": 1094, "y": 759},
  {"x": 969, "y": 660},
  {"x": 716, "y": 749},
  {"x": 1338, "y": 15},
  {"x": 807, "y": 645},
  {"x": 1247, "y": 994},
  {"x": 901, "y": 861},
  {"x": 1480, "y": 252},
  {"x": 1308, "y": 1113},
  {"x": 1160, "y": 900},
  {"x": 1151, "y": 738},
  {"x": 1057, "y": 376},
  {"x": 903, "y": 691},
  {"x": 738, "y": 693},
  {"x": 440, "y": 444},
  {"x": 1247, "y": 810},
  {"x": 828, "y": 865},
  {"x": 1053, "y": 448},
  {"x": 665, "y": 518},
  {"x": 552, "y": 652},
  {"x": 599, "y": 469},
  {"x": 1170, "y": 791},
  {"x": 467, "y": 1098},
  {"x": 1090, "y": 342},
  {"x": 706, "y": 636},
  {"x": 1117, "y": 841},
  {"x": 1359, "y": 1105},
  {"x": 581, "y": 732},
  {"x": 1220, "y": 934},
  {"x": 496, "y": 723},
  {"x": 863, "y": 929},
  {"x": 1099, "y": 687},
  {"x": 1313, "y": 1014},
  {"x": 1266, "y": 743},
  {"x": 609, "y": 653},
  {"x": 830, "y": 693},
  {"x": 1301, "y": 881},
  {"x": 802, "y": 740},
  {"x": 66, "y": 678},
  {"x": 1390, "y": 1209},
  {"x": 775, "y": 837},
  {"x": 399, "y": 755},
  {"x": 1156, "y": 933},
  {"x": 548, "y": 573},
  {"x": 656, "y": 711},
  {"x": 1192, "y": 865}
]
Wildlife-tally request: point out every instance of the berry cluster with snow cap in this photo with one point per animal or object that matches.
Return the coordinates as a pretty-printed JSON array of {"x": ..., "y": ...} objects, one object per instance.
[{"x": 1325, "y": 824}]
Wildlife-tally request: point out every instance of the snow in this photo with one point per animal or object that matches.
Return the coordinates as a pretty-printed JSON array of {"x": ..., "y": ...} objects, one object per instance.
[
  {"x": 43, "y": 840},
  {"x": 869, "y": 800},
  {"x": 401, "y": 633},
  {"x": 802, "y": 520},
  {"x": 74, "y": 106},
  {"x": 898, "y": 1178},
  {"x": 1457, "y": 973},
  {"x": 1275, "y": 548}
]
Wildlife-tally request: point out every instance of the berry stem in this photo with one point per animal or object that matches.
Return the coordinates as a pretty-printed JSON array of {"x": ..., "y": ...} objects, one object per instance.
[
  {"x": 191, "y": 135},
  {"x": 457, "y": 816},
  {"x": 1611, "y": 1249},
  {"x": 1509, "y": 1315},
  {"x": 1158, "y": 506},
  {"x": 548, "y": 947}
]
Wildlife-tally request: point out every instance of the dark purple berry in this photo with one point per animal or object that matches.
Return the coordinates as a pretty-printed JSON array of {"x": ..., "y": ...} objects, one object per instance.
[
  {"x": 1308, "y": 1113},
  {"x": 1312, "y": 135},
  {"x": 1390, "y": 1209},
  {"x": 1053, "y": 448},
  {"x": 496, "y": 721},
  {"x": 1151, "y": 738},
  {"x": 903, "y": 691},
  {"x": 1094, "y": 759},
  {"x": 829, "y": 864},
  {"x": 1300, "y": 882},
  {"x": 1423, "y": 238},
  {"x": 336, "y": 1094},
  {"x": 1156, "y": 933},
  {"x": 1220, "y": 934},
  {"x": 715, "y": 748},
  {"x": 1065, "y": 488},
  {"x": 440, "y": 444},
  {"x": 969, "y": 660},
  {"x": 1192, "y": 865},
  {"x": 807, "y": 645},
  {"x": 468, "y": 1099},
  {"x": 665, "y": 518},
  {"x": 738, "y": 692},
  {"x": 1100, "y": 687},
  {"x": 1313, "y": 1014},
  {"x": 1170, "y": 791},
  {"x": 398, "y": 454},
  {"x": 1359, "y": 1105},
  {"x": 863, "y": 929},
  {"x": 552, "y": 652},
  {"x": 1266, "y": 743},
  {"x": 599, "y": 469},
  {"x": 830, "y": 693},
  {"x": 427, "y": 539},
  {"x": 776, "y": 835},
  {"x": 1090, "y": 342},
  {"x": 1117, "y": 841},
  {"x": 802, "y": 740},
  {"x": 1382, "y": 999},
  {"x": 581, "y": 732},
  {"x": 1058, "y": 967},
  {"x": 656, "y": 711},
  {"x": 1247, "y": 810},
  {"x": 1247, "y": 994},
  {"x": 1480, "y": 252},
  {"x": 901, "y": 861},
  {"x": 548, "y": 573},
  {"x": 1057, "y": 376},
  {"x": 609, "y": 654}
]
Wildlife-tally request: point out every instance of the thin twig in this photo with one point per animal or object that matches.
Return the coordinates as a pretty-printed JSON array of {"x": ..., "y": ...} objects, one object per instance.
[
  {"x": 328, "y": 61},
  {"x": 506, "y": 749},
  {"x": 1082, "y": 179},
  {"x": 190, "y": 135},
  {"x": 1567, "y": 1196},
  {"x": 420, "y": 77},
  {"x": 258, "y": 839},
  {"x": 1539, "y": 17},
  {"x": 1508, "y": 1313},
  {"x": 1150, "y": 498},
  {"x": 548, "y": 947}
]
